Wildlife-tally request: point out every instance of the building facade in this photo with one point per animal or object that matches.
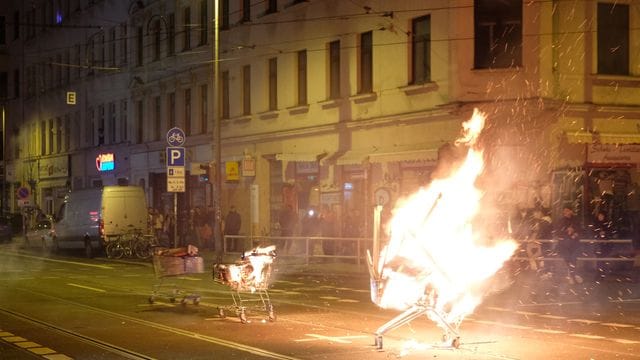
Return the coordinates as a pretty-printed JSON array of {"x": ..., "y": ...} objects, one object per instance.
[{"x": 325, "y": 105}]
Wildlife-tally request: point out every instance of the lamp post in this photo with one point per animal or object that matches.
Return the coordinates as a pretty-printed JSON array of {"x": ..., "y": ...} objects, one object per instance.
[{"x": 217, "y": 180}]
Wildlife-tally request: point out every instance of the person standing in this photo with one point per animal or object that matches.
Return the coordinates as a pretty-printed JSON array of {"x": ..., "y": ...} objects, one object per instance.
[
  {"x": 567, "y": 232},
  {"x": 232, "y": 223},
  {"x": 287, "y": 220}
]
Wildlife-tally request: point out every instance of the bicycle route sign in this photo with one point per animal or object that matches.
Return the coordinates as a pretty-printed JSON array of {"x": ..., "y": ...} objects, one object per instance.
[
  {"x": 175, "y": 160},
  {"x": 176, "y": 137}
]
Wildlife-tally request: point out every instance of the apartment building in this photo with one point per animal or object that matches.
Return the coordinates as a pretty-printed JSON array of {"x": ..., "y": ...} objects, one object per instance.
[{"x": 323, "y": 104}]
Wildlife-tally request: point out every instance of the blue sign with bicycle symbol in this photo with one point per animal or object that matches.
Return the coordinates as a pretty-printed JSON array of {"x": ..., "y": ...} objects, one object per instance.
[{"x": 176, "y": 137}]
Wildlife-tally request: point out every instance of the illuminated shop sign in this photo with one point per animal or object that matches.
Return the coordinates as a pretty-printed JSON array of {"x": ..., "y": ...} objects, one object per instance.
[{"x": 106, "y": 162}]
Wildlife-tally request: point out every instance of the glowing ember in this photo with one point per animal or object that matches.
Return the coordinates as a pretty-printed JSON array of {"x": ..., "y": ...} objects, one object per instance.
[{"x": 434, "y": 257}]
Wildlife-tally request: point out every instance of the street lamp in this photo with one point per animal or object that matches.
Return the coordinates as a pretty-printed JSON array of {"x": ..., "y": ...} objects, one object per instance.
[{"x": 217, "y": 180}]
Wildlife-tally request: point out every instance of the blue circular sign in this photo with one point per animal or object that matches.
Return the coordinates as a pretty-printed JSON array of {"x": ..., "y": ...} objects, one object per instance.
[
  {"x": 176, "y": 137},
  {"x": 23, "y": 193}
]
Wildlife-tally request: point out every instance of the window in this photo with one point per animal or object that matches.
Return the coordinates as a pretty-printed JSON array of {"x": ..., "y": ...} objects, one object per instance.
[
  {"x": 89, "y": 135},
  {"x": 421, "y": 50},
  {"x": 366, "y": 62},
  {"x": 224, "y": 15},
  {"x": 3, "y": 30},
  {"x": 112, "y": 123},
  {"x": 246, "y": 90},
  {"x": 67, "y": 133},
  {"x": 112, "y": 47},
  {"x": 334, "y": 69},
  {"x": 140, "y": 122},
  {"x": 225, "y": 94},
  {"x": 51, "y": 132},
  {"x": 43, "y": 138},
  {"x": 16, "y": 25},
  {"x": 4, "y": 85},
  {"x": 246, "y": 10},
  {"x": 124, "y": 51},
  {"x": 124, "y": 121},
  {"x": 187, "y": 112},
  {"x": 187, "y": 29},
  {"x": 302, "y": 77},
  {"x": 16, "y": 83},
  {"x": 58, "y": 135},
  {"x": 203, "y": 109},
  {"x": 272, "y": 6},
  {"x": 498, "y": 33},
  {"x": 204, "y": 22},
  {"x": 156, "y": 40},
  {"x": 157, "y": 116},
  {"x": 140, "y": 47},
  {"x": 613, "y": 39},
  {"x": 172, "y": 110},
  {"x": 273, "y": 84},
  {"x": 101, "y": 123},
  {"x": 171, "y": 33}
]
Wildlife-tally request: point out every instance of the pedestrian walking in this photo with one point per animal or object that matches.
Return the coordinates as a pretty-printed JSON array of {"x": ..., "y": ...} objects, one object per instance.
[
  {"x": 232, "y": 223},
  {"x": 567, "y": 232}
]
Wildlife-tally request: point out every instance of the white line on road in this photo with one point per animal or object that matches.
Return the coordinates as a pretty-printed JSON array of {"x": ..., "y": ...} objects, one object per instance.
[
  {"x": 584, "y": 321},
  {"x": 87, "y": 287},
  {"x": 335, "y": 339},
  {"x": 618, "y": 325},
  {"x": 586, "y": 336},
  {"x": 60, "y": 261},
  {"x": 550, "y": 331}
]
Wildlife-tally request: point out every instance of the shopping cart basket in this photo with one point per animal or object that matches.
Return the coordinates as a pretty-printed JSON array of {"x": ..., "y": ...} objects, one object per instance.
[
  {"x": 249, "y": 276},
  {"x": 168, "y": 265}
]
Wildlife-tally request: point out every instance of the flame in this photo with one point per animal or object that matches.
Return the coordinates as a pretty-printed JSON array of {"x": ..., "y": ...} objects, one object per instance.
[
  {"x": 434, "y": 256},
  {"x": 250, "y": 274}
]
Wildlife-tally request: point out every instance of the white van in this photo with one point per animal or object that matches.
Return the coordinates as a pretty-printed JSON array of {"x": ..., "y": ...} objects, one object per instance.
[{"x": 88, "y": 216}]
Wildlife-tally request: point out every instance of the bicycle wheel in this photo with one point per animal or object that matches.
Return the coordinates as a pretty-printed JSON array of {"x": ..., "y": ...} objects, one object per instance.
[
  {"x": 142, "y": 248},
  {"x": 114, "y": 250}
]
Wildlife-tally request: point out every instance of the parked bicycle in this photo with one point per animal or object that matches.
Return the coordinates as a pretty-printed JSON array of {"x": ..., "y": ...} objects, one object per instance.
[{"x": 131, "y": 244}]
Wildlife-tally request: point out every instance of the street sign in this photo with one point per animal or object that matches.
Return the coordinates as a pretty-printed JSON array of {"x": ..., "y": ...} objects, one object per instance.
[
  {"x": 71, "y": 97},
  {"x": 175, "y": 171},
  {"x": 22, "y": 193},
  {"x": 176, "y": 137},
  {"x": 175, "y": 156},
  {"x": 175, "y": 184}
]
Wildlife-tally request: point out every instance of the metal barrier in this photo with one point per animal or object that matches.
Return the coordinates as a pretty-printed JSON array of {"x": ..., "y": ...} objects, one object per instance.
[
  {"x": 622, "y": 251},
  {"x": 350, "y": 248},
  {"x": 356, "y": 250}
]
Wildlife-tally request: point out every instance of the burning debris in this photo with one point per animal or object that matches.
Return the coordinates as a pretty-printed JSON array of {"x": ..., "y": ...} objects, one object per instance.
[{"x": 434, "y": 263}]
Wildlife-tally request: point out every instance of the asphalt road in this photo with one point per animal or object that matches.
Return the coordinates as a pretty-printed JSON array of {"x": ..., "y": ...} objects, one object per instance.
[{"x": 64, "y": 306}]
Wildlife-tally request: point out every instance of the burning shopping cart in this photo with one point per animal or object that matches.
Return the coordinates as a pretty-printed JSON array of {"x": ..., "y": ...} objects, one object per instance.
[
  {"x": 248, "y": 279},
  {"x": 169, "y": 263}
]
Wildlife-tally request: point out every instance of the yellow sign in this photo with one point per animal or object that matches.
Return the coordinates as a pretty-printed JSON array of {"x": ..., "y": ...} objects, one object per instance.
[
  {"x": 71, "y": 97},
  {"x": 232, "y": 170}
]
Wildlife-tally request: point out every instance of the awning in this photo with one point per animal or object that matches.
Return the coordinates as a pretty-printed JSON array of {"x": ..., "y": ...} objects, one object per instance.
[
  {"x": 585, "y": 137},
  {"x": 355, "y": 157},
  {"x": 408, "y": 155},
  {"x": 300, "y": 156}
]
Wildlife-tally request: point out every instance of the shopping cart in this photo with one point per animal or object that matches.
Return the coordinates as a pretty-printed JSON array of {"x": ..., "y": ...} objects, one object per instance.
[
  {"x": 166, "y": 265},
  {"x": 249, "y": 276}
]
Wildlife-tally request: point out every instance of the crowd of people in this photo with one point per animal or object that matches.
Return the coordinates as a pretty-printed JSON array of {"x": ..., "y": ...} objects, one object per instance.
[{"x": 567, "y": 231}]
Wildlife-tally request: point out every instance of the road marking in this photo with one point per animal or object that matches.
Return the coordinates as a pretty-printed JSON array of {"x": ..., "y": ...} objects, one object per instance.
[
  {"x": 61, "y": 261},
  {"x": 57, "y": 357},
  {"x": 335, "y": 339},
  {"x": 42, "y": 351},
  {"x": 618, "y": 325},
  {"x": 586, "y": 336},
  {"x": 329, "y": 298},
  {"x": 348, "y": 301},
  {"x": 555, "y": 317},
  {"x": 86, "y": 287},
  {"x": 189, "y": 278},
  {"x": 28, "y": 344},
  {"x": 495, "y": 323},
  {"x": 14, "y": 339},
  {"x": 625, "y": 341},
  {"x": 549, "y": 331},
  {"x": 584, "y": 321},
  {"x": 552, "y": 304}
]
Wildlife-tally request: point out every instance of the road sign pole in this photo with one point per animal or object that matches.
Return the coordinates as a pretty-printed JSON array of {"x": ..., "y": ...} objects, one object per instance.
[{"x": 175, "y": 219}]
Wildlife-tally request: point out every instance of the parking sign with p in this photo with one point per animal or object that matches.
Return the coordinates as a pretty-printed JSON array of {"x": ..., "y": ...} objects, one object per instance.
[{"x": 175, "y": 156}]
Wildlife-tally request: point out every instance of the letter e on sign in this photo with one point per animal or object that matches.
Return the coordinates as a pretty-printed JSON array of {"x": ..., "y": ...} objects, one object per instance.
[{"x": 71, "y": 97}]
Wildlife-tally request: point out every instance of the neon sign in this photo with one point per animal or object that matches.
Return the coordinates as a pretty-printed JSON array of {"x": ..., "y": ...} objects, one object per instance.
[{"x": 106, "y": 162}]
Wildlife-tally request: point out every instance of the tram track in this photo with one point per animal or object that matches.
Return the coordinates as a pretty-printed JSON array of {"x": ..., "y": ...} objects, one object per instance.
[
  {"x": 111, "y": 348},
  {"x": 126, "y": 353}
]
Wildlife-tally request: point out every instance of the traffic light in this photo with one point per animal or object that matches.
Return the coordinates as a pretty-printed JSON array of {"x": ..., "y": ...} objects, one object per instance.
[{"x": 205, "y": 177}]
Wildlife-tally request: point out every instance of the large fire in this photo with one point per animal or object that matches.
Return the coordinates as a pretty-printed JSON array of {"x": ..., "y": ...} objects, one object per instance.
[{"x": 434, "y": 258}]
